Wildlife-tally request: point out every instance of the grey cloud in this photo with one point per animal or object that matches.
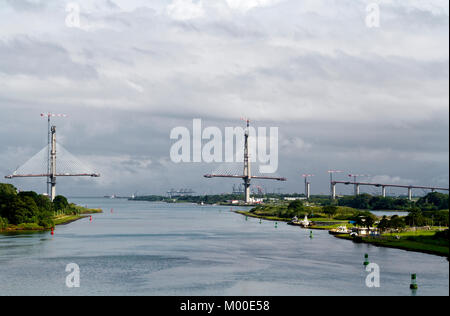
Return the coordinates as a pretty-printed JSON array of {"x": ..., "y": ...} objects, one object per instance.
[
  {"x": 36, "y": 58},
  {"x": 343, "y": 96},
  {"x": 369, "y": 69},
  {"x": 26, "y": 5}
]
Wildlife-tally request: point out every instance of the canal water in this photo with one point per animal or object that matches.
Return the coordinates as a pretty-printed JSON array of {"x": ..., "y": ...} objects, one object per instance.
[{"x": 144, "y": 248}]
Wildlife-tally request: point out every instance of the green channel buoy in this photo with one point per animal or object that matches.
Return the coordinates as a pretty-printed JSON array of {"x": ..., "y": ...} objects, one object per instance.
[
  {"x": 366, "y": 259},
  {"x": 276, "y": 224},
  {"x": 260, "y": 221},
  {"x": 310, "y": 234},
  {"x": 246, "y": 218},
  {"x": 413, "y": 285}
]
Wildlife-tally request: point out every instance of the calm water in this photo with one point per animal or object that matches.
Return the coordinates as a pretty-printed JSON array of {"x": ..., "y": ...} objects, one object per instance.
[{"x": 160, "y": 249}]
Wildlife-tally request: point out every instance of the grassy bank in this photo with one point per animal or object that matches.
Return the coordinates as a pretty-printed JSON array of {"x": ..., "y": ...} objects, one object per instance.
[
  {"x": 421, "y": 241},
  {"x": 330, "y": 223},
  {"x": 265, "y": 217},
  {"x": 424, "y": 241},
  {"x": 58, "y": 219}
]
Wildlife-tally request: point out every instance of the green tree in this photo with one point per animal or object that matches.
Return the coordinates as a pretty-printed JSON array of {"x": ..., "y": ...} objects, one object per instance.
[
  {"x": 365, "y": 219},
  {"x": 381, "y": 203},
  {"x": 397, "y": 222},
  {"x": 330, "y": 210},
  {"x": 60, "y": 203},
  {"x": 415, "y": 218},
  {"x": 384, "y": 224},
  {"x": 434, "y": 201},
  {"x": 7, "y": 189},
  {"x": 22, "y": 210},
  {"x": 296, "y": 205}
]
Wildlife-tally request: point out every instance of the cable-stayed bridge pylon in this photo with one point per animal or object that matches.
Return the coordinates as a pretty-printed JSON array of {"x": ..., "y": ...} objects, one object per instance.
[
  {"x": 44, "y": 164},
  {"x": 246, "y": 175}
]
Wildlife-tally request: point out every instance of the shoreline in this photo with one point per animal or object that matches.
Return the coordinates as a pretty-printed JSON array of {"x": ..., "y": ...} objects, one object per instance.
[
  {"x": 58, "y": 220},
  {"x": 387, "y": 244},
  {"x": 402, "y": 244}
]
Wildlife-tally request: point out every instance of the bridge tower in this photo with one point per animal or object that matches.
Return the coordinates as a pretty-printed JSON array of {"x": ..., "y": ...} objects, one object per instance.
[
  {"x": 53, "y": 164},
  {"x": 247, "y": 167},
  {"x": 71, "y": 167},
  {"x": 247, "y": 175}
]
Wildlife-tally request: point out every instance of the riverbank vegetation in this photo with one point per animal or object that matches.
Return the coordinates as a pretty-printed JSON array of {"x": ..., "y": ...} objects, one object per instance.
[
  {"x": 430, "y": 241},
  {"x": 434, "y": 201},
  {"x": 288, "y": 210},
  {"x": 424, "y": 227},
  {"x": 31, "y": 211},
  {"x": 211, "y": 199}
]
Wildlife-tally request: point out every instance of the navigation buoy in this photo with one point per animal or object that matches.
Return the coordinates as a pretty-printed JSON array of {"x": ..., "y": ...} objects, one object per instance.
[
  {"x": 52, "y": 231},
  {"x": 260, "y": 221},
  {"x": 413, "y": 285},
  {"x": 311, "y": 234},
  {"x": 276, "y": 224},
  {"x": 90, "y": 218},
  {"x": 366, "y": 259},
  {"x": 246, "y": 218}
]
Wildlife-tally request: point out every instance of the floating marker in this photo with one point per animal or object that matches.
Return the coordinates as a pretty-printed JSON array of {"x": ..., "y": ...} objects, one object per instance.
[
  {"x": 310, "y": 234},
  {"x": 260, "y": 221},
  {"x": 246, "y": 218},
  {"x": 53, "y": 231},
  {"x": 276, "y": 224},
  {"x": 90, "y": 218},
  {"x": 413, "y": 285},
  {"x": 366, "y": 259}
]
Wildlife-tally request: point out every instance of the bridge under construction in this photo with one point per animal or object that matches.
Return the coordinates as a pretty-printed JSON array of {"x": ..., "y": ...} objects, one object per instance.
[
  {"x": 383, "y": 187},
  {"x": 68, "y": 165},
  {"x": 247, "y": 175}
]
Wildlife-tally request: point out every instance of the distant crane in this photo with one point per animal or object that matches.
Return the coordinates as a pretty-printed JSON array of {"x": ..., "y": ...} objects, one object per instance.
[
  {"x": 247, "y": 176},
  {"x": 307, "y": 185},
  {"x": 260, "y": 190},
  {"x": 181, "y": 192},
  {"x": 237, "y": 189}
]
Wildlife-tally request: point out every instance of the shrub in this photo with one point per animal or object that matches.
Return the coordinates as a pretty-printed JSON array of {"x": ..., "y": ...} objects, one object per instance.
[
  {"x": 3, "y": 223},
  {"x": 29, "y": 226}
]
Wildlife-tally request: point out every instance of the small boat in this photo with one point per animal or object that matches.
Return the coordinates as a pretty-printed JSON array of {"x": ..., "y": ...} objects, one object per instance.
[
  {"x": 303, "y": 223},
  {"x": 341, "y": 230}
]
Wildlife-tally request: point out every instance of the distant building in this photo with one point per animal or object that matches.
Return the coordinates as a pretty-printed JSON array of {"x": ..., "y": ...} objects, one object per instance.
[{"x": 294, "y": 198}]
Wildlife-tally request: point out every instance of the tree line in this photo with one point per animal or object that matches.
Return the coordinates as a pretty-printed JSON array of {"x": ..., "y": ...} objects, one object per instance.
[
  {"x": 18, "y": 208},
  {"x": 434, "y": 201}
]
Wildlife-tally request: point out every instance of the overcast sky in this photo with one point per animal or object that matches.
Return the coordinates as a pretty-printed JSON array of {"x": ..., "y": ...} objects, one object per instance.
[{"x": 344, "y": 96}]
